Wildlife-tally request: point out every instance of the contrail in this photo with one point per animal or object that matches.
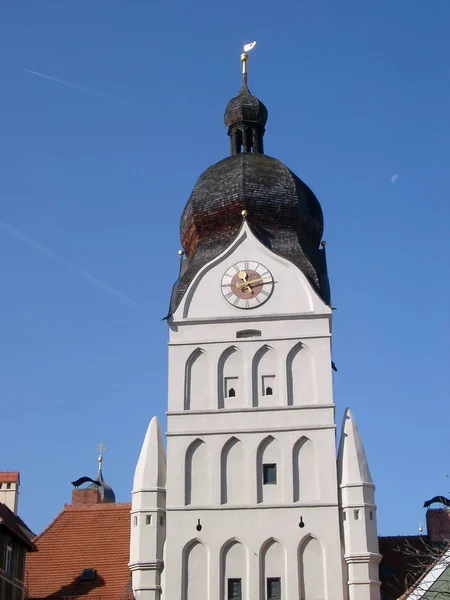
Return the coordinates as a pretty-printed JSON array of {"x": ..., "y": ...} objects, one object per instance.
[
  {"x": 67, "y": 263},
  {"x": 77, "y": 87}
]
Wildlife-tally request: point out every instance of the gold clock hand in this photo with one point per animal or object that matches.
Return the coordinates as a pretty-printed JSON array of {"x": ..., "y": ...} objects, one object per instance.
[
  {"x": 244, "y": 285},
  {"x": 247, "y": 283}
]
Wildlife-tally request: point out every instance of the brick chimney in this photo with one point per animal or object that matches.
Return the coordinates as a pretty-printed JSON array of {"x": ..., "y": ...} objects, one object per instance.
[
  {"x": 438, "y": 524},
  {"x": 9, "y": 489},
  {"x": 86, "y": 496}
]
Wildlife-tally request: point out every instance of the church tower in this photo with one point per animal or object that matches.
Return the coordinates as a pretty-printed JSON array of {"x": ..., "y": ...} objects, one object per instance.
[{"x": 253, "y": 506}]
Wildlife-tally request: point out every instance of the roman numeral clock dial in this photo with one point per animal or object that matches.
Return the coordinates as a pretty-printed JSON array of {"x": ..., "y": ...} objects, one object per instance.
[{"x": 247, "y": 284}]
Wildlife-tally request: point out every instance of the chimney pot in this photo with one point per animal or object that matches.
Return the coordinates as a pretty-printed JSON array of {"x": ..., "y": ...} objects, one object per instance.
[
  {"x": 438, "y": 524},
  {"x": 9, "y": 489},
  {"x": 85, "y": 496}
]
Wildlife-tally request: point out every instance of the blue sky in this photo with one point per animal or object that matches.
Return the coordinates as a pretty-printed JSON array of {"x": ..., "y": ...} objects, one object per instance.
[{"x": 92, "y": 186}]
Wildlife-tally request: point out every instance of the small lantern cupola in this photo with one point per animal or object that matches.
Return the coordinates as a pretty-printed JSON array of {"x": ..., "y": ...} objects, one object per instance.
[{"x": 245, "y": 117}]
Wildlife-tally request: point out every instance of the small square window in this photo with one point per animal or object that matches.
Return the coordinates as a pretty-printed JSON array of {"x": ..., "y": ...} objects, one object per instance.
[
  {"x": 148, "y": 519},
  {"x": 387, "y": 571},
  {"x": 268, "y": 385},
  {"x": 88, "y": 574},
  {"x": 234, "y": 589},
  {"x": 231, "y": 384},
  {"x": 274, "y": 588},
  {"x": 269, "y": 474}
]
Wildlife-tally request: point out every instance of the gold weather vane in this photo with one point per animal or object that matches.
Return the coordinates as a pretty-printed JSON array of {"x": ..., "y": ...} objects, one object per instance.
[
  {"x": 244, "y": 56},
  {"x": 101, "y": 448}
]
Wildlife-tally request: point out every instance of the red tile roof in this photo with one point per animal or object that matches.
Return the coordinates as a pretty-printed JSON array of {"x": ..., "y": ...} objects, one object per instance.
[
  {"x": 94, "y": 536},
  {"x": 9, "y": 477}
]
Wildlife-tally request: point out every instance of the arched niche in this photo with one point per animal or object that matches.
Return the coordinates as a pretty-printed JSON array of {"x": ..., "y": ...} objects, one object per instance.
[
  {"x": 196, "y": 387},
  {"x": 230, "y": 378},
  {"x": 272, "y": 570},
  {"x": 311, "y": 573},
  {"x": 305, "y": 471},
  {"x": 194, "y": 580},
  {"x": 269, "y": 471},
  {"x": 300, "y": 376},
  {"x": 197, "y": 474},
  {"x": 233, "y": 569},
  {"x": 264, "y": 384},
  {"x": 232, "y": 473}
]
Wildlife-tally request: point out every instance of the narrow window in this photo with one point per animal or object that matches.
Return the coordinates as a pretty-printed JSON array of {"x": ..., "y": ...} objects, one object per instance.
[
  {"x": 8, "y": 486},
  {"x": 269, "y": 474},
  {"x": 161, "y": 520},
  {"x": 234, "y": 589},
  {"x": 344, "y": 516},
  {"x": 8, "y": 556},
  {"x": 148, "y": 519},
  {"x": 274, "y": 588},
  {"x": 371, "y": 515},
  {"x": 134, "y": 521},
  {"x": 230, "y": 387},
  {"x": 268, "y": 385},
  {"x": 356, "y": 515}
]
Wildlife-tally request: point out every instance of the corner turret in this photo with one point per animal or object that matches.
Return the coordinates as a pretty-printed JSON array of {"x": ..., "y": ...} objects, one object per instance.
[
  {"x": 357, "y": 501},
  {"x": 148, "y": 516}
]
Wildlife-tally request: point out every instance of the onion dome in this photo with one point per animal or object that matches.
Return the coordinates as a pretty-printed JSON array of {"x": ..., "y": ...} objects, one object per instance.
[
  {"x": 281, "y": 210},
  {"x": 106, "y": 492}
]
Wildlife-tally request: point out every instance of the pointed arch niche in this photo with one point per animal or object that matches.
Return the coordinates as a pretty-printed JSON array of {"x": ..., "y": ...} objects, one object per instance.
[
  {"x": 311, "y": 574},
  {"x": 233, "y": 568},
  {"x": 194, "y": 571},
  {"x": 230, "y": 378},
  {"x": 272, "y": 569},
  {"x": 300, "y": 376},
  {"x": 305, "y": 471},
  {"x": 264, "y": 382},
  {"x": 269, "y": 471},
  {"x": 196, "y": 386},
  {"x": 232, "y": 473},
  {"x": 196, "y": 474}
]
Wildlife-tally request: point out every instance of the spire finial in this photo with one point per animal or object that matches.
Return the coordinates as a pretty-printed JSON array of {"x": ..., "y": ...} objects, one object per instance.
[
  {"x": 244, "y": 59},
  {"x": 101, "y": 448}
]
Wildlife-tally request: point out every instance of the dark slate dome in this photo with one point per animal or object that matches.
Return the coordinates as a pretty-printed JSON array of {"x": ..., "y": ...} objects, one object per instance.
[
  {"x": 275, "y": 198},
  {"x": 281, "y": 210}
]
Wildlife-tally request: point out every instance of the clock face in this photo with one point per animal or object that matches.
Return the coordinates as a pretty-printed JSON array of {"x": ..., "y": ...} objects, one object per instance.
[{"x": 247, "y": 284}]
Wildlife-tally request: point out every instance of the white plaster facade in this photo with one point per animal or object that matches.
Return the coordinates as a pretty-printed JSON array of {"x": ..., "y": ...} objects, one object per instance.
[{"x": 253, "y": 505}]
